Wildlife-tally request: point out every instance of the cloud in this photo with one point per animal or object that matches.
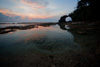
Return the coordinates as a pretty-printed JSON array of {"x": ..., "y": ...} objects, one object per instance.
[
  {"x": 36, "y": 4},
  {"x": 3, "y": 17},
  {"x": 9, "y": 13},
  {"x": 17, "y": 15},
  {"x": 5, "y": 12},
  {"x": 23, "y": 10}
]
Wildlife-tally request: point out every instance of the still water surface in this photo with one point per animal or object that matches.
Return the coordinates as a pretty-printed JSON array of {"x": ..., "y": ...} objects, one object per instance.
[{"x": 49, "y": 39}]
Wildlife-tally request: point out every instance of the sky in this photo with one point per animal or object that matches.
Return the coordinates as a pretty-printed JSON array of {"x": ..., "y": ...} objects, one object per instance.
[{"x": 35, "y": 10}]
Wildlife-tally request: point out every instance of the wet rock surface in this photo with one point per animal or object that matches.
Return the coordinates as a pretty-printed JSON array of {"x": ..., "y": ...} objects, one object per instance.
[{"x": 42, "y": 60}]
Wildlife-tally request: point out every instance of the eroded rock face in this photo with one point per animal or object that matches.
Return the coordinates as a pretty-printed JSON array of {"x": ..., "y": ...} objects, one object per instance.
[{"x": 63, "y": 19}]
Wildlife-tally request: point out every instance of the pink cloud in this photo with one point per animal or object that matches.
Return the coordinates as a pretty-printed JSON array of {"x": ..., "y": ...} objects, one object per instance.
[
  {"x": 5, "y": 12},
  {"x": 37, "y": 4},
  {"x": 30, "y": 16}
]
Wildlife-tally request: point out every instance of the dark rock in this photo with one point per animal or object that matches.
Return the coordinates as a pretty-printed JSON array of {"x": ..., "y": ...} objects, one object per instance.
[{"x": 62, "y": 19}]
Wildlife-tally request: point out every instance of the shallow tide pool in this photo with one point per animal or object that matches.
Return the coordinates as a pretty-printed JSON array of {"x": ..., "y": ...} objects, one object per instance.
[
  {"x": 47, "y": 46},
  {"x": 49, "y": 39}
]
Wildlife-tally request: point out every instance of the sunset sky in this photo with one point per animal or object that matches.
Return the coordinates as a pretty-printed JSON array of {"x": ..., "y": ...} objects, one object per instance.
[{"x": 35, "y": 10}]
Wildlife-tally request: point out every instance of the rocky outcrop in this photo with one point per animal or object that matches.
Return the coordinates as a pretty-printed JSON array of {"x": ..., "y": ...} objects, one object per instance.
[{"x": 63, "y": 19}]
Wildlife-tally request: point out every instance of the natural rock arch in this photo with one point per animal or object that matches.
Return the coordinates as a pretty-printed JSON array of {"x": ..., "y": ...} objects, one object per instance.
[{"x": 63, "y": 19}]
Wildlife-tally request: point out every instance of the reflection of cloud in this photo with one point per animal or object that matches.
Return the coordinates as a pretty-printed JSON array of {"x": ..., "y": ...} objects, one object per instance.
[
  {"x": 36, "y": 3},
  {"x": 35, "y": 37}
]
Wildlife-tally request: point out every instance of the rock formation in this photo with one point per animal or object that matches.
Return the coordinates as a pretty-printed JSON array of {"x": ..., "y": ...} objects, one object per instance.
[{"x": 63, "y": 19}]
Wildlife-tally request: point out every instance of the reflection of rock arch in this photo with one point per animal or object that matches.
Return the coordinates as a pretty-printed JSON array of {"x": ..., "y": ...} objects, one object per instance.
[{"x": 62, "y": 26}]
